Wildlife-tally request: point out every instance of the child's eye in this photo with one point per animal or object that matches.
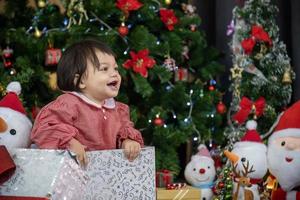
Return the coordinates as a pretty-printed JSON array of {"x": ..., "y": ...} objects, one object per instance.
[
  {"x": 116, "y": 69},
  {"x": 103, "y": 68}
]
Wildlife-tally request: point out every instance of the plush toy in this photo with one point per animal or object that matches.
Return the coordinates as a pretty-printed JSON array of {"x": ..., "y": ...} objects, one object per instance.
[
  {"x": 15, "y": 126},
  {"x": 284, "y": 155},
  {"x": 200, "y": 172},
  {"x": 249, "y": 160}
]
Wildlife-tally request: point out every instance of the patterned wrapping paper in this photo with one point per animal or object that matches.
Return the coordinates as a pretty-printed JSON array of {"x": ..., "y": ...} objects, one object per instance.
[
  {"x": 113, "y": 177},
  {"x": 45, "y": 173}
]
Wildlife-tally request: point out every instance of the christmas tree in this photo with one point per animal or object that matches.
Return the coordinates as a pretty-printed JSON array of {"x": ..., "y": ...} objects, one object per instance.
[
  {"x": 169, "y": 72},
  {"x": 261, "y": 77}
]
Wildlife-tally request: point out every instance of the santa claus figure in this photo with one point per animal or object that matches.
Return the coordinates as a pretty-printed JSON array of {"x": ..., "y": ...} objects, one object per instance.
[
  {"x": 249, "y": 160},
  {"x": 284, "y": 155},
  {"x": 200, "y": 172},
  {"x": 15, "y": 126}
]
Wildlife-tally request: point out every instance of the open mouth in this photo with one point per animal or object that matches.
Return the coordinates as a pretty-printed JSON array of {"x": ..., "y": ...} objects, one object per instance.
[
  {"x": 113, "y": 85},
  {"x": 288, "y": 159}
]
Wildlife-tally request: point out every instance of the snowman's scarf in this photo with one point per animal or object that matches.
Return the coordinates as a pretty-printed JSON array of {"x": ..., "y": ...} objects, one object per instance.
[{"x": 208, "y": 185}]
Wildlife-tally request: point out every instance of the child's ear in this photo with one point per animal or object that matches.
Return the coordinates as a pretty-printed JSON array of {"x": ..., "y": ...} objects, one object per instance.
[{"x": 81, "y": 83}]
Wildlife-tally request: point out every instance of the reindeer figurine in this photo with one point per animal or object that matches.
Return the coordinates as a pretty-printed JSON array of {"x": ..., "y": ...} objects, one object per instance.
[{"x": 243, "y": 182}]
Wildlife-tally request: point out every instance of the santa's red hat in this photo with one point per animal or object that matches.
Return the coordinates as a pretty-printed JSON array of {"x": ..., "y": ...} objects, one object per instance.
[
  {"x": 251, "y": 138},
  {"x": 288, "y": 123},
  {"x": 11, "y": 100}
]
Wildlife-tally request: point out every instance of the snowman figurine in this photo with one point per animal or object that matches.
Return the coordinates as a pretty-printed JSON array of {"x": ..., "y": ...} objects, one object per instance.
[
  {"x": 15, "y": 126},
  {"x": 200, "y": 172},
  {"x": 249, "y": 160}
]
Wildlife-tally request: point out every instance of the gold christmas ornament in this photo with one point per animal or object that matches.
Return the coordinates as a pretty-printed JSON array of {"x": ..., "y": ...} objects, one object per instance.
[
  {"x": 263, "y": 50},
  {"x": 53, "y": 81},
  {"x": 287, "y": 77},
  {"x": 41, "y": 3},
  {"x": 168, "y": 2},
  {"x": 37, "y": 33}
]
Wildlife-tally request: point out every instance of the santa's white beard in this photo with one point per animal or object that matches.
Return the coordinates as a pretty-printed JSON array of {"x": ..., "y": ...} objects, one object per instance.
[{"x": 287, "y": 173}]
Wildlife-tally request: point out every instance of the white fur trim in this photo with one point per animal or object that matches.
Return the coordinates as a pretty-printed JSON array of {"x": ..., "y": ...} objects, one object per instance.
[
  {"x": 291, "y": 195},
  {"x": 251, "y": 125},
  {"x": 285, "y": 133},
  {"x": 201, "y": 146},
  {"x": 254, "y": 145},
  {"x": 15, "y": 87}
]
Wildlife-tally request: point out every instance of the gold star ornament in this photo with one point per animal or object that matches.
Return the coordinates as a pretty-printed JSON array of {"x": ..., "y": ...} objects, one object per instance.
[{"x": 236, "y": 71}]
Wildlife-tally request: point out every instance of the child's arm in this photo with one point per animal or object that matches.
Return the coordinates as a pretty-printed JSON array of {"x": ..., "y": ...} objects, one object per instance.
[
  {"x": 129, "y": 138},
  {"x": 53, "y": 127}
]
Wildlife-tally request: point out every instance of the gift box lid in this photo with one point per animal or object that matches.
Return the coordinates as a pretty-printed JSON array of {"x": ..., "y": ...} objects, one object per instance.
[{"x": 187, "y": 192}]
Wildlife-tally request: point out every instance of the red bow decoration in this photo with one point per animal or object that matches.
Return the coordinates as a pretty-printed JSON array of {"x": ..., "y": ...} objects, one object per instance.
[
  {"x": 247, "y": 107},
  {"x": 257, "y": 34}
]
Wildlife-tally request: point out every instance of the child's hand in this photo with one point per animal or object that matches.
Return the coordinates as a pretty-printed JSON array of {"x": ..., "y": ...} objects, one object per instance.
[
  {"x": 79, "y": 149},
  {"x": 131, "y": 149}
]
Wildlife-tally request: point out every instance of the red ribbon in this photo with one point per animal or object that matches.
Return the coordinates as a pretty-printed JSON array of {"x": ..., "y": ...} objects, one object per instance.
[
  {"x": 257, "y": 34},
  {"x": 166, "y": 175},
  {"x": 182, "y": 73},
  {"x": 247, "y": 107},
  {"x": 175, "y": 186}
]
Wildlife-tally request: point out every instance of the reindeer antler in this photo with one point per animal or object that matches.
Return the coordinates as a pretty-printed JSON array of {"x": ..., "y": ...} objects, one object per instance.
[
  {"x": 246, "y": 168},
  {"x": 235, "y": 171}
]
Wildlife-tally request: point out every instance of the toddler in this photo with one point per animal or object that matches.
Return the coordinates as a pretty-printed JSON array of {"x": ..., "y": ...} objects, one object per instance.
[{"x": 86, "y": 117}]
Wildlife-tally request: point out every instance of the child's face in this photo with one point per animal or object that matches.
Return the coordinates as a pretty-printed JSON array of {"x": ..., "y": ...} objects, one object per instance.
[{"x": 100, "y": 84}]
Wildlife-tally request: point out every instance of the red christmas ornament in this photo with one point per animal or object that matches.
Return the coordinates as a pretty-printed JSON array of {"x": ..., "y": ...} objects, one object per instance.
[
  {"x": 52, "y": 56},
  {"x": 7, "y": 57},
  {"x": 221, "y": 108},
  {"x": 8, "y": 52},
  {"x": 158, "y": 121},
  {"x": 221, "y": 184},
  {"x": 211, "y": 88},
  {"x": 123, "y": 30},
  {"x": 7, "y": 64}
]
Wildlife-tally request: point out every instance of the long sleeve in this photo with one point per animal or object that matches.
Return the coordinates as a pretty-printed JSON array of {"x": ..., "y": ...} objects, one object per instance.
[
  {"x": 127, "y": 130},
  {"x": 53, "y": 127}
]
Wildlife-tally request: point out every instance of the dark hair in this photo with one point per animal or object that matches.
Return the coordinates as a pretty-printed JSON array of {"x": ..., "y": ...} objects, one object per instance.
[{"x": 74, "y": 61}]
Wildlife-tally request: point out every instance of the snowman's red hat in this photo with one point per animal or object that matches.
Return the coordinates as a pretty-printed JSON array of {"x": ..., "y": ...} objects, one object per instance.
[
  {"x": 11, "y": 100},
  {"x": 251, "y": 138}
]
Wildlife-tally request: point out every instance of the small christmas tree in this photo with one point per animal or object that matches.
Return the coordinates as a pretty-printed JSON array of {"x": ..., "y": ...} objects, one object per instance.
[{"x": 261, "y": 75}]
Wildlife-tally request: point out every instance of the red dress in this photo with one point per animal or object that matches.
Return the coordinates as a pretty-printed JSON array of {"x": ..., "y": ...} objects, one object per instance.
[{"x": 73, "y": 115}]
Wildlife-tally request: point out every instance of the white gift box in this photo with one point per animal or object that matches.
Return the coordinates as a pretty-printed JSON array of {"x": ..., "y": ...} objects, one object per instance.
[
  {"x": 109, "y": 175},
  {"x": 52, "y": 174},
  {"x": 112, "y": 176}
]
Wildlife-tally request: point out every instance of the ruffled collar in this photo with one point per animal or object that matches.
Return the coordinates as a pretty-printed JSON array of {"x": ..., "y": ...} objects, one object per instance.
[{"x": 108, "y": 103}]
